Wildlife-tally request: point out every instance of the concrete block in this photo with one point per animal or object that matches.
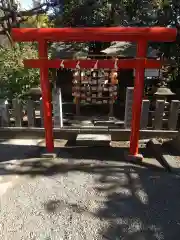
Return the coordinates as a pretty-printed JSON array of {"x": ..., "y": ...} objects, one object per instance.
[
  {"x": 128, "y": 107},
  {"x": 172, "y": 153},
  {"x": 30, "y": 113},
  {"x": 57, "y": 108},
  {"x": 133, "y": 158},
  {"x": 49, "y": 155},
  {"x": 19, "y": 149},
  {"x": 69, "y": 133},
  {"x": 17, "y": 112},
  {"x": 119, "y": 123},
  {"x": 93, "y": 139},
  {"x": 156, "y": 147},
  {"x": 145, "y": 114},
  {"x": 104, "y": 123},
  {"x": 173, "y": 114},
  {"x": 158, "y": 120}
]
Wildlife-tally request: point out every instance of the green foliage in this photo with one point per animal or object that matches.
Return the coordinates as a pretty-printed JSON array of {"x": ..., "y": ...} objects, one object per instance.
[
  {"x": 78, "y": 13},
  {"x": 84, "y": 13},
  {"x": 111, "y": 12},
  {"x": 38, "y": 21},
  {"x": 15, "y": 80}
]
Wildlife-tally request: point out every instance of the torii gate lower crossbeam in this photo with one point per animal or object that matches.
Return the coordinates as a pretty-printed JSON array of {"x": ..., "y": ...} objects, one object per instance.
[{"x": 140, "y": 35}]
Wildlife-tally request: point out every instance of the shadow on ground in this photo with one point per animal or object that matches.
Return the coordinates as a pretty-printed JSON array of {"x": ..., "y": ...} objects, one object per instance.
[
  {"x": 145, "y": 209},
  {"x": 141, "y": 202},
  {"x": 31, "y": 165},
  {"x": 18, "y": 152}
]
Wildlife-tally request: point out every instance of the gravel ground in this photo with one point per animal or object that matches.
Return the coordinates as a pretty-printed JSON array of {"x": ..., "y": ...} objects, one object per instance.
[{"x": 89, "y": 200}]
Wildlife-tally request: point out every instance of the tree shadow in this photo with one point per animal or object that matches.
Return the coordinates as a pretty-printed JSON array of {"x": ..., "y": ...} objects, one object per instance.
[
  {"x": 139, "y": 203},
  {"x": 98, "y": 152},
  {"x": 48, "y": 167},
  {"x": 69, "y": 159},
  {"x": 142, "y": 205},
  {"x": 18, "y": 152},
  {"x": 57, "y": 205}
]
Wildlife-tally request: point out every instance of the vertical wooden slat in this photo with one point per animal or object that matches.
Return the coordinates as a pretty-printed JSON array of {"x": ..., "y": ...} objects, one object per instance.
[
  {"x": 17, "y": 112},
  {"x": 158, "y": 118},
  {"x": 57, "y": 108},
  {"x": 30, "y": 113},
  {"x": 60, "y": 108},
  {"x": 128, "y": 107},
  {"x": 6, "y": 116},
  {"x": 173, "y": 114},
  {"x": 111, "y": 108},
  {"x": 145, "y": 114},
  {"x": 78, "y": 99},
  {"x": 41, "y": 113},
  {"x": 4, "y": 112},
  {"x": 77, "y": 106}
]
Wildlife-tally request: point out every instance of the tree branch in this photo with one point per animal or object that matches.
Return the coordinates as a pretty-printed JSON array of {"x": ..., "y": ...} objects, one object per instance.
[{"x": 11, "y": 17}]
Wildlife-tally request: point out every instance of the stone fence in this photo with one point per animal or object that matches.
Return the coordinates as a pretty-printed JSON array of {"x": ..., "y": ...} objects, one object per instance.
[{"x": 158, "y": 115}]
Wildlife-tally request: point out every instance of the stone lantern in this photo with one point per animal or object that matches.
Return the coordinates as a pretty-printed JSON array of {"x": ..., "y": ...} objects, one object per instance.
[{"x": 163, "y": 92}]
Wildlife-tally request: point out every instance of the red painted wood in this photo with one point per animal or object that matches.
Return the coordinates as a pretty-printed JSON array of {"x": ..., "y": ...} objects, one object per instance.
[
  {"x": 159, "y": 34},
  {"x": 137, "y": 98},
  {"x": 46, "y": 96},
  {"x": 88, "y": 64}
]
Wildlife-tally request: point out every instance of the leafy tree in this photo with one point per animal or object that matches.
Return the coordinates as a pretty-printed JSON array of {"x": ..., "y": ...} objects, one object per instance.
[
  {"x": 11, "y": 15},
  {"x": 37, "y": 21},
  {"x": 15, "y": 80},
  {"x": 78, "y": 13}
]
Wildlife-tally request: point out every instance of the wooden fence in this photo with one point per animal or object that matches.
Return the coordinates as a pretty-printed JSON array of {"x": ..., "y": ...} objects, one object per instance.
[{"x": 155, "y": 115}]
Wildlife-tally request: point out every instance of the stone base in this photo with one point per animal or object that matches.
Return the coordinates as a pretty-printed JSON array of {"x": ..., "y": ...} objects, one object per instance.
[
  {"x": 93, "y": 140},
  {"x": 48, "y": 155},
  {"x": 133, "y": 158},
  {"x": 155, "y": 147}
]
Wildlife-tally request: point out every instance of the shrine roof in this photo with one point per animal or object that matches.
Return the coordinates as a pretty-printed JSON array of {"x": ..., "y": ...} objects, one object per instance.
[{"x": 81, "y": 50}]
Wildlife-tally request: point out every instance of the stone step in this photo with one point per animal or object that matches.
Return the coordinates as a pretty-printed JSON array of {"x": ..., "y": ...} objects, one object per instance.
[
  {"x": 119, "y": 123},
  {"x": 93, "y": 139},
  {"x": 109, "y": 123},
  {"x": 104, "y": 123}
]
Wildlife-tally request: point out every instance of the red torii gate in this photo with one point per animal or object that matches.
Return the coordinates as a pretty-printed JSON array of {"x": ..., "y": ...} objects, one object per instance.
[{"x": 132, "y": 34}]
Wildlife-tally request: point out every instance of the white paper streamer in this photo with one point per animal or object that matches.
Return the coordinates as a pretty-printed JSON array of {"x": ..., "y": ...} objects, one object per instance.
[
  {"x": 96, "y": 65},
  {"x": 77, "y": 65},
  {"x": 62, "y": 64},
  {"x": 116, "y": 64}
]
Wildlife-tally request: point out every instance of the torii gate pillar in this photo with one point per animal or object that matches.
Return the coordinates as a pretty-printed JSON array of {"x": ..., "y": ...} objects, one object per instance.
[
  {"x": 138, "y": 97},
  {"x": 46, "y": 97}
]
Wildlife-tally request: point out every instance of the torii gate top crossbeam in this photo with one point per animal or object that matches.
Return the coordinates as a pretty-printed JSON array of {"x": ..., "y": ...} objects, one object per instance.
[{"x": 131, "y": 34}]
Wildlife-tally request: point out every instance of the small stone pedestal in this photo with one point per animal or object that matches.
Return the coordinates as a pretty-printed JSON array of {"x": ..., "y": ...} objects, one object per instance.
[
  {"x": 133, "y": 158},
  {"x": 98, "y": 140},
  {"x": 48, "y": 155}
]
